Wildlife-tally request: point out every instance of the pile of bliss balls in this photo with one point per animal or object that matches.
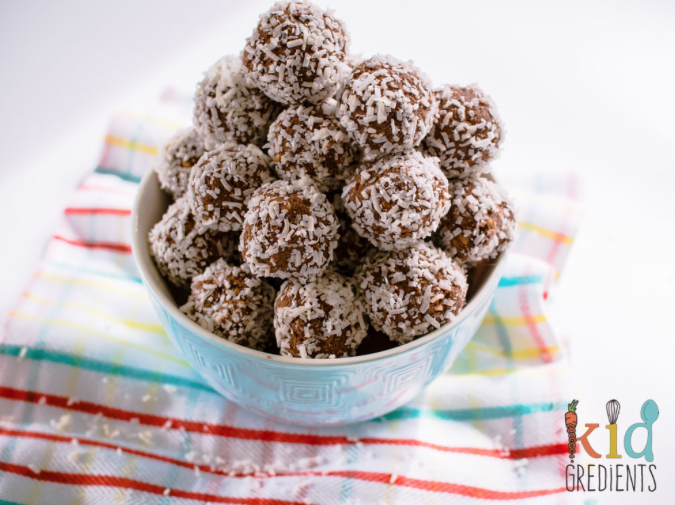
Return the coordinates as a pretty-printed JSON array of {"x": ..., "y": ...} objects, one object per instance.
[{"x": 355, "y": 182}]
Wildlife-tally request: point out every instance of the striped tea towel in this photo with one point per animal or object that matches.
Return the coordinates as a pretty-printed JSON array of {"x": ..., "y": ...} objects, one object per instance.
[{"x": 96, "y": 406}]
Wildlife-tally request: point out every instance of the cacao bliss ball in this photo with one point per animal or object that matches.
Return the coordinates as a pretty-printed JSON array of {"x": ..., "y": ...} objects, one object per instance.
[
  {"x": 320, "y": 319},
  {"x": 467, "y": 131},
  {"x": 228, "y": 109},
  {"x": 290, "y": 231},
  {"x": 387, "y": 106},
  {"x": 181, "y": 250},
  {"x": 222, "y": 182},
  {"x": 296, "y": 53},
  {"x": 232, "y": 303},
  {"x": 305, "y": 140},
  {"x": 397, "y": 200},
  {"x": 176, "y": 159},
  {"x": 481, "y": 222},
  {"x": 410, "y": 293}
]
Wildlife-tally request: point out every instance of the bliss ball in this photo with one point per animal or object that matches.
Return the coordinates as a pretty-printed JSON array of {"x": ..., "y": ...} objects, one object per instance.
[
  {"x": 180, "y": 250},
  {"x": 481, "y": 222},
  {"x": 351, "y": 247},
  {"x": 305, "y": 141},
  {"x": 397, "y": 200},
  {"x": 232, "y": 303},
  {"x": 222, "y": 183},
  {"x": 467, "y": 131},
  {"x": 296, "y": 53},
  {"x": 321, "y": 319},
  {"x": 176, "y": 159},
  {"x": 410, "y": 293},
  {"x": 227, "y": 109},
  {"x": 290, "y": 231},
  {"x": 387, "y": 106}
]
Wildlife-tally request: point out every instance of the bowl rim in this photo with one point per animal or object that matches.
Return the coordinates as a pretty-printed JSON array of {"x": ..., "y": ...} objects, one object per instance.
[{"x": 143, "y": 260}]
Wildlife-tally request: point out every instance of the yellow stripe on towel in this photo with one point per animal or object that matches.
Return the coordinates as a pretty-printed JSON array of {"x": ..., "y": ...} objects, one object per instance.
[
  {"x": 153, "y": 328},
  {"x": 131, "y": 145},
  {"x": 139, "y": 295},
  {"x": 515, "y": 321},
  {"x": 558, "y": 237},
  {"x": 120, "y": 341},
  {"x": 533, "y": 352}
]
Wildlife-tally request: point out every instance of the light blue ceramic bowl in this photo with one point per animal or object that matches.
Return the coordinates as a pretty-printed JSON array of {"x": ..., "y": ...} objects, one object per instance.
[{"x": 304, "y": 391}]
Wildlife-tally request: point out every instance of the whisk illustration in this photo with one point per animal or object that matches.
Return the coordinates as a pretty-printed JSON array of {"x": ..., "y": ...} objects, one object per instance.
[{"x": 613, "y": 409}]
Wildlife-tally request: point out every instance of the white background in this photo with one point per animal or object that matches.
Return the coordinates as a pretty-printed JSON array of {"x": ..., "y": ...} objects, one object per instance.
[{"x": 584, "y": 86}]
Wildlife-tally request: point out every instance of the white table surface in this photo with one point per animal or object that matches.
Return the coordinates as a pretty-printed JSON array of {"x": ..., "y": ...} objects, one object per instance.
[{"x": 586, "y": 86}]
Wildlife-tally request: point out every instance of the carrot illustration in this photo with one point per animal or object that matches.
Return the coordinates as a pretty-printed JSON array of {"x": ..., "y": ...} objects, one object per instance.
[{"x": 571, "y": 424}]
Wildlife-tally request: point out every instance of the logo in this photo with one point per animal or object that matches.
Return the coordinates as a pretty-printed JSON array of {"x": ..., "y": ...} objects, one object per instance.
[{"x": 636, "y": 477}]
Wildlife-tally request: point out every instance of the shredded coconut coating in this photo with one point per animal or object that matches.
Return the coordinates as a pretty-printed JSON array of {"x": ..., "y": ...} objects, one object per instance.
[
  {"x": 180, "y": 250},
  {"x": 228, "y": 109},
  {"x": 481, "y": 222},
  {"x": 321, "y": 319},
  {"x": 176, "y": 159},
  {"x": 290, "y": 231},
  {"x": 351, "y": 247},
  {"x": 387, "y": 106},
  {"x": 410, "y": 293},
  {"x": 229, "y": 301},
  {"x": 467, "y": 131},
  {"x": 222, "y": 183},
  {"x": 306, "y": 141},
  {"x": 397, "y": 200},
  {"x": 296, "y": 53}
]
